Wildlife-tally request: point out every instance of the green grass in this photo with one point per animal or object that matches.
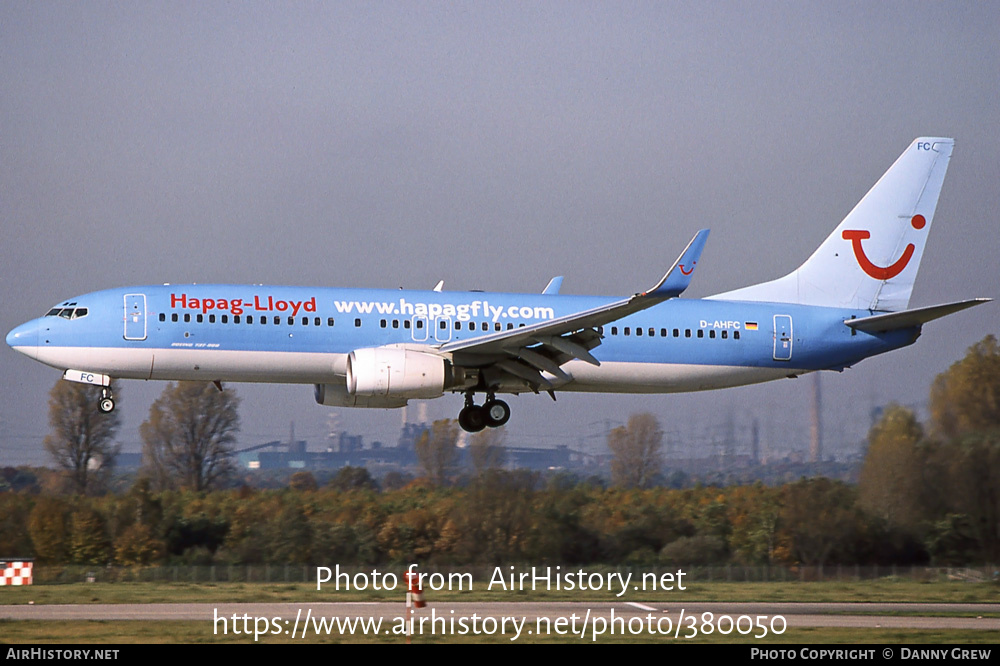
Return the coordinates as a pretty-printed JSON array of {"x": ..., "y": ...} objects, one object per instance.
[{"x": 142, "y": 593}]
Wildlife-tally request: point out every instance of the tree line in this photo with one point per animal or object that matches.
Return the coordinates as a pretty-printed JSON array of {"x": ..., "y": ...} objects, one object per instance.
[
  {"x": 928, "y": 493},
  {"x": 501, "y": 517}
]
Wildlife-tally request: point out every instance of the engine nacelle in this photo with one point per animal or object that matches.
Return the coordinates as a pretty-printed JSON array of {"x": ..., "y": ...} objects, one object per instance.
[
  {"x": 397, "y": 372},
  {"x": 336, "y": 395}
]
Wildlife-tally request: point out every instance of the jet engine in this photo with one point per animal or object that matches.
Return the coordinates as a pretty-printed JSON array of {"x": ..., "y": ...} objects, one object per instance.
[
  {"x": 336, "y": 395},
  {"x": 396, "y": 372}
]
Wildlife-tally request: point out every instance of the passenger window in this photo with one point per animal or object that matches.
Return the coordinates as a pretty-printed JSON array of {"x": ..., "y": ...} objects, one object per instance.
[
  {"x": 638, "y": 331},
  {"x": 329, "y": 321},
  {"x": 395, "y": 323},
  {"x": 277, "y": 320},
  {"x": 249, "y": 319},
  {"x": 163, "y": 316},
  {"x": 725, "y": 334},
  {"x": 663, "y": 332},
  {"x": 652, "y": 332},
  {"x": 173, "y": 317},
  {"x": 315, "y": 321},
  {"x": 701, "y": 332},
  {"x": 510, "y": 326},
  {"x": 420, "y": 323},
  {"x": 614, "y": 330},
  {"x": 211, "y": 319},
  {"x": 291, "y": 321},
  {"x": 305, "y": 321},
  {"x": 187, "y": 318},
  {"x": 677, "y": 333},
  {"x": 628, "y": 329},
  {"x": 497, "y": 327},
  {"x": 236, "y": 319},
  {"x": 225, "y": 319},
  {"x": 406, "y": 323},
  {"x": 357, "y": 323},
  {"x": 687, "y": 332},
  {"x": 486, "y": 326},
  {"x": 443, "y": 324},
  {"x": 736, "y": 335},
  {"x": 382, "y": 323},
  {"x": 199, "y": 318}
]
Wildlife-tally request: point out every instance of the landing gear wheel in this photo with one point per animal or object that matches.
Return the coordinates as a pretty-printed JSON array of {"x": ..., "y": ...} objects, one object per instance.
[
  {"x": 472, "y": 418},
  {"x": 497, "y": 413},
  {"x": 107, "y": 403}
]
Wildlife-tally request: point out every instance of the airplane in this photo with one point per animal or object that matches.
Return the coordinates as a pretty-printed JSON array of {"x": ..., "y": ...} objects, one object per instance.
[{"x": 382, "y": 348}]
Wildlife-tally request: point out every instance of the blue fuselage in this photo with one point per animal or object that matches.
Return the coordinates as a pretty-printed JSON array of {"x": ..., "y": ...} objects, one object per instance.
[{"x": 300, "y": 334}]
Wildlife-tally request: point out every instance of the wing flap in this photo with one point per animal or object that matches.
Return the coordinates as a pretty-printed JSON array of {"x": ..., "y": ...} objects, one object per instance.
[{"x": 542, "y": 362}]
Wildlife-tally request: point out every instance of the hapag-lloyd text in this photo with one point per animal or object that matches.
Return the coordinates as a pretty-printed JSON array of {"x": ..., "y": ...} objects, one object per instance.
[
  {"x": 238, "y": 306},
  {"x": 461, "y": 312}
]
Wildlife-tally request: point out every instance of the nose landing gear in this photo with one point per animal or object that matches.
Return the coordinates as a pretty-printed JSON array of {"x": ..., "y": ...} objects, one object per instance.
[
  {"x": 107, "y": 402},
  {"x": 493, "y": 414}
]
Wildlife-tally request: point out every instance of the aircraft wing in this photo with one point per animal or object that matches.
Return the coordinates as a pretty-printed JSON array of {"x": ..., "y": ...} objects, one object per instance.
[{"x": 544, "y": 346}]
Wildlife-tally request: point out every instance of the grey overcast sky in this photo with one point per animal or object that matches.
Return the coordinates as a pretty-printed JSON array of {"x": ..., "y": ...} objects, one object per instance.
[{"x": 492, "y": 145}]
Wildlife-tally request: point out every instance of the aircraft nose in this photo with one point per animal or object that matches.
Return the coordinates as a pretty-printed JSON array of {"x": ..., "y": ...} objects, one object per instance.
[{"x": 24, "y": 339}]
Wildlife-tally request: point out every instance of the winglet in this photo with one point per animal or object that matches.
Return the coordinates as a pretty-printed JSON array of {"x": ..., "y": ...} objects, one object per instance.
[
  {"x": 677, "y": 279},
  {"x": 553, "y": 286}
]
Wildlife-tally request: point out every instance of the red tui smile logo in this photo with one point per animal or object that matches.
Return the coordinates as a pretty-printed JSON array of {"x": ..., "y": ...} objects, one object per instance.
[
  {"x": 688, "y": 271},
  {"x": 878, "y": 272}
]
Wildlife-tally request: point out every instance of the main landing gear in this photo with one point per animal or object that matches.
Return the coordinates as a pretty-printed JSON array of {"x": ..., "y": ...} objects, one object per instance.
[
  {"x": 493, "y": 414},
  {"x": 107, "y": 403}
]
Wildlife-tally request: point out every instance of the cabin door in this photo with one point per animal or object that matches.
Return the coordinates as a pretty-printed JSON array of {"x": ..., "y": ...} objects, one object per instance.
[
  {"x": 135, "y": 316},
  {"x": 782, "y": 337}
]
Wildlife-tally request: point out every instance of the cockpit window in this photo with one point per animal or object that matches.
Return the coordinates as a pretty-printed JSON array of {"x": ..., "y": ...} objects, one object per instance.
[{"x": 67, "y": 313}]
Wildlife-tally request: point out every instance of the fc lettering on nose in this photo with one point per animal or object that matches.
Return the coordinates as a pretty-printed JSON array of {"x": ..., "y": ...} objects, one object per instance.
[{"x": 871, "y": 269}]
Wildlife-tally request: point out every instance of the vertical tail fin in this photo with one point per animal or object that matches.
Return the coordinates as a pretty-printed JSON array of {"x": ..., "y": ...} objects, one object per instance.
[{"x": 870, "y": 261}]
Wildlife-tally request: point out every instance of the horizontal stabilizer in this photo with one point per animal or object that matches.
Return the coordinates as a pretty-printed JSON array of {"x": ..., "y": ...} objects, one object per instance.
[{"x": 893, "y": 321}]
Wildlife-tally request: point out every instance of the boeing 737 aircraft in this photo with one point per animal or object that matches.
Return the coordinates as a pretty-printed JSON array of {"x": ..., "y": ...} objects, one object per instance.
[{"x": 381, "y": 348}]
